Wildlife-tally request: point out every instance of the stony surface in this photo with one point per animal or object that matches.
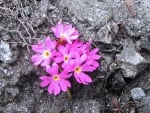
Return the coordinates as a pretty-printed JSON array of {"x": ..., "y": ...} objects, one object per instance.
[
  {"x": 7, "y": 71},
  {"x": 99, "y": 12},
  {"x": 145, "y": 42},
  {"x": 107, "y": 33},
  {"x": 145, "y": 105},
  {"x": 89, "y": 106},
  {"x": 116, "y": 81},
  {"x": 27, "y": 10},
  {"x": 84, "y": 10},
  {"x": 113, "y": 29},
  {"x": 40, "y": 13},
  {"x": 131, "y": 61},
  {"x": 137, "y": 93},
  {"x": 6, "y": 54}
]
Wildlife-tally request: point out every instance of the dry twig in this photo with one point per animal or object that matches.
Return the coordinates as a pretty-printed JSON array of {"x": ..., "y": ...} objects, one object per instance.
[{"x": 130, "y": 7}]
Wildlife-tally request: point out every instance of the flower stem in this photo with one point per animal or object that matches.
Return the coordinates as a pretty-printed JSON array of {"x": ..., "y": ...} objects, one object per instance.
[{"x": 69, "y": 94}]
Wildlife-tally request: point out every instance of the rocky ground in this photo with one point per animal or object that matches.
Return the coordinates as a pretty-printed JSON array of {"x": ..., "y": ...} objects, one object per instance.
[{"x": 120, "y": 28}]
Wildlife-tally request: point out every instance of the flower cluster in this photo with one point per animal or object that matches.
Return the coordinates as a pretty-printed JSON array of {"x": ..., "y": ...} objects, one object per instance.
[{"x": 63, "y": 58}]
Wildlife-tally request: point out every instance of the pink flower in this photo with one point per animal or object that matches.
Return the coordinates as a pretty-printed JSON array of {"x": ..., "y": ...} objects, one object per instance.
[
  {"x": 45, "y": 52},
  {"x": 92, "y": 55},
  {"x": 65, "y": 32},
  {"x": 78, "y": 46},
  {"x": 78, "y": 67},
  {"x": 64, "y": 55},
  {"x": 55, "y": 81}
]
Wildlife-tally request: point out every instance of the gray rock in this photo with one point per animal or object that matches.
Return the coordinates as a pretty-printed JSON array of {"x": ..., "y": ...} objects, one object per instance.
[
  {"x": 138, "y": 24},
  {"x": 14, "y": 108},
  {"x": 5, "y": 52},
  {"x": 131, "y": 61},
  {"x": 3, "y": 82},
  {"x": 130, "y": 56},
  {"x": 8, "y": 72},
  {"x": 131, "y": 71},
  {"x": 6, "y": 37},
  {"x": 6, "y": 81},
  {"x": 41, "y": 13},
  {"x": 27, "y": 10},
  {"x": 87, "y": 106},
  {"x": 145, "y": 105},
  {"x": 108, "y": 59},
  {"x": 1, "y": 1},
  {"x": 116, "y": 82},
  {"x": 51, "y": 7},
  {"x": 92, "y": 11},
  {"x": 11, "y": 108},
  {"x": 137, "y": 93},
  {"x": 104, "y": 34},
  {"x": 12, "y": 91},
  {"x": 145, "y": 42},
  {"x": 43, "y": 7},
  {"x": 87, "y": 13},
  {"x": 99, "y": 12}
]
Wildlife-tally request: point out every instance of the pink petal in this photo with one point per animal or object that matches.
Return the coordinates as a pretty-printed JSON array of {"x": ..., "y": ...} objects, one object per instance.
[
  {"x": 60, "y": 28},
  {"x": 63, "y": 85},
  {"x": 75, "y": 32},
  {"x": 45, "y": 62},
  {"x": 68, "y": 84},
  {"x": 94, "y": 51},
  {"x": 74, "y": 37},
  {"x": 55, "y": 68},
  {"x": 95, "y": 64},
  {"x": 85, "y": 79},
  {"x": 70, "y": 31},
  {"x": 70, "y": 67},
  {"x": 49, "y": 70},
  {"x": 88, "y": 68},
  {"x": 65, "y": 75},
  {"x": 51, "y": 88},
  {"x": 65, "y": 64},
  {"x": 48, "y": 43},
  {"x": 62, "y": 50},
  {"x": 58, "y": 59},
  {"x": 56, "y": 89},
  {"x": 54, "y": 29},
  {"x": 53, "y": 44},
  {"x": 67, "y": 47},
  {"x": 43, "y": 77},
  {"x": 76, "y": 44},
  {"x": 73, "y": 54},
  {"x": 77, "y": 78},
  {"x": 83, "y": 58},
  {"x": 68, "y": 40},
  {"x": 46, "y": 81},
  {"x": 37, "y": 59},
  {"x": 37, "y": 48},
  {"x": 96, "y": 57}
]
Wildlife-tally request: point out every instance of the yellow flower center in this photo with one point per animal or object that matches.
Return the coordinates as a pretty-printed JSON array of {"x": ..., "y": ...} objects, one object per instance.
[
  {"x": 46, "y": 54},
  {"x": 62, "y": 35},
  {"x": 56, "y": 77},
  {"x": 66, "y": 58},
  {"x": 77, "y": 69}
]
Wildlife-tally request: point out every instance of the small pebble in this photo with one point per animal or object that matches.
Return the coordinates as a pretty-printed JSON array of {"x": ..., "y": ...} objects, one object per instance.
[
  {"x": 27, "y": 10},
  {"x": 137, "y": 93}
]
